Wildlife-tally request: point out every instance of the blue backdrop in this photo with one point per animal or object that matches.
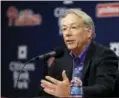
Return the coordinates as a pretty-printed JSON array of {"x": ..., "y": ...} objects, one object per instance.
[{"x": 31, "y": 28}]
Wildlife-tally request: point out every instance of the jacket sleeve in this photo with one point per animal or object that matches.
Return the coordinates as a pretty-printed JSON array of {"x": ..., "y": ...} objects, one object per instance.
[{"x": 106, "y": 69}]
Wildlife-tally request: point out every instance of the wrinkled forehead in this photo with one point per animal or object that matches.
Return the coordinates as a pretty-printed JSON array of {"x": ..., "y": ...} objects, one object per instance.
[{"x": 70, "y": 19}]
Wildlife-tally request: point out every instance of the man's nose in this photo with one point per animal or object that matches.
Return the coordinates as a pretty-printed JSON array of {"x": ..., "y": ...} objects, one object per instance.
[{"x": 68, "y": 32}]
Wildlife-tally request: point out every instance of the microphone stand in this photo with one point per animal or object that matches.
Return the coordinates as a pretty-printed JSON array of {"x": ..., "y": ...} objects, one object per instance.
[
  {"x": 41, "y": 92},
  {"x": 23, "y": 68}
]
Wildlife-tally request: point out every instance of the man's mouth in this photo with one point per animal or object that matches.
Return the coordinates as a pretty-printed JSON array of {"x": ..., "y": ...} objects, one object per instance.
[{"x": 69, "y": 41}]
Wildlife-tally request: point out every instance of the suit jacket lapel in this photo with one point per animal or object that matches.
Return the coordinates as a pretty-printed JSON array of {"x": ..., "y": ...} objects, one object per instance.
[
  {"x": 68, "y": 65},
  {"x": 88, "y": 58},
  {"x": 65, "y": 63}
]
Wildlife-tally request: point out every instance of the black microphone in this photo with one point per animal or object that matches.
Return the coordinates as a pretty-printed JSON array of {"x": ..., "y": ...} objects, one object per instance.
[{"x": 58, "y": 52}]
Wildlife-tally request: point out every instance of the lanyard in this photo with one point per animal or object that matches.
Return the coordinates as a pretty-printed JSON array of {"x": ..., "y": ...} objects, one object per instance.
[{"x": 77, "y": 70}]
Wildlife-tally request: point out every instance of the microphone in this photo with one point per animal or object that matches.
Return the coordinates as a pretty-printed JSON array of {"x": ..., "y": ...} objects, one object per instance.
[{"x": 58, "y": 52}]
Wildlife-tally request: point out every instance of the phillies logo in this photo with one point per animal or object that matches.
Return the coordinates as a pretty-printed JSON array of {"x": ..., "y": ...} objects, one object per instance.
[
  {"x": 12, "y": 14},
  {"x": 107, "y": 10},
  {"x": 24, "y": 17}
]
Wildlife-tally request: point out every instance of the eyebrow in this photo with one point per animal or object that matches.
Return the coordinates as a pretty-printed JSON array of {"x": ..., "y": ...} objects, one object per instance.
[{"x": 70, "y": 24}]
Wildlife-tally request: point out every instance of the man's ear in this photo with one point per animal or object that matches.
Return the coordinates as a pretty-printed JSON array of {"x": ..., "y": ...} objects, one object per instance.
[
  {"x": 86, "y": 28},
  {"x": 89, "y": 31},
  {"x": 90, "y": 35}
]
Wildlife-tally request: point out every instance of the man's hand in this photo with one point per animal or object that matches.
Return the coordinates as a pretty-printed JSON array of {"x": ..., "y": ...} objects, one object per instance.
[{"x": 57, "y": 88}]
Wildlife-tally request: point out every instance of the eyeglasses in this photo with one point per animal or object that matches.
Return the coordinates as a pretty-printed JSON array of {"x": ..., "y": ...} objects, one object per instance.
[{"x": 72, "y": 27}]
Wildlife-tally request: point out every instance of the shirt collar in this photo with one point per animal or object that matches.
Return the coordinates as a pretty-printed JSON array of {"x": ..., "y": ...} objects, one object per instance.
[{"x": 83, "y": 52}]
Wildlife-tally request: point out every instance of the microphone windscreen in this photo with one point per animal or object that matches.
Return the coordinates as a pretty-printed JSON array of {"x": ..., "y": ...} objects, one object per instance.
[{"x": 59, "y": 52}]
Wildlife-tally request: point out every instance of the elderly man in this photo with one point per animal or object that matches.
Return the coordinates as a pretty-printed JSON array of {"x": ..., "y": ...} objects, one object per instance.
[{"x": 96, "y": 65}]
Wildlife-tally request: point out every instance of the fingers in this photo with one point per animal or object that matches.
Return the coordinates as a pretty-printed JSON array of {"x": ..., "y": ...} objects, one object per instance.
[
  {"x": 64, "y": 76},
  {"x": 56, "y": 87},
  {"x": 46, "y": 84},
  {"x": 43, "y": 85},
  {"x": 52, "y": 80},
  {"x": 49, "y": 91}
]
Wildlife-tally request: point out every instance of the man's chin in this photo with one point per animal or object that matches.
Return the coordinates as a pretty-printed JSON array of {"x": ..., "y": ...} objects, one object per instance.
[{"x": 71, "y": 47}]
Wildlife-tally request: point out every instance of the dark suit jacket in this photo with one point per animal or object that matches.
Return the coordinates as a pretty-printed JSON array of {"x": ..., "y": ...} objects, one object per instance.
[{"x": 99, "y": 72}]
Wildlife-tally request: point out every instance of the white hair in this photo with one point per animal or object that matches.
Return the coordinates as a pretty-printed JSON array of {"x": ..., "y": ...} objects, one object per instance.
[{"x": 86, "y": 18}]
